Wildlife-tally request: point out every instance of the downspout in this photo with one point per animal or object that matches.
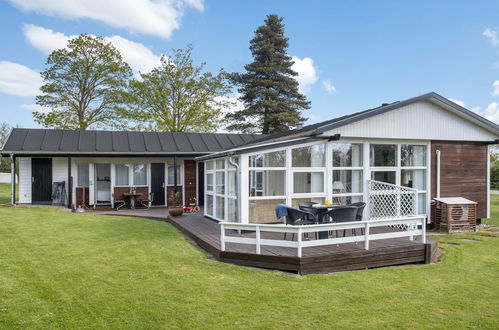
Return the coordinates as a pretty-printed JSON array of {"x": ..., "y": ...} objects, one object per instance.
[
  {"x": 438, "y": 173},
  {"x": 238, "y": 175}
]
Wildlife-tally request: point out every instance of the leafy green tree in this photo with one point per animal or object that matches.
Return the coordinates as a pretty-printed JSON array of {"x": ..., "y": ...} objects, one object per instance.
[
  {"x": 84, "y": 85},
  {"x": 494, "y": 168},
  {"x": 4, "y": 134},
  {"x": 178, "y": 96},
  {"x": 269, "y": 90}
]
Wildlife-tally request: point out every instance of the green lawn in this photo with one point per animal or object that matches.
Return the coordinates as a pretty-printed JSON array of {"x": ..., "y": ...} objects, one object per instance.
[{"x": 63, "y": 270}]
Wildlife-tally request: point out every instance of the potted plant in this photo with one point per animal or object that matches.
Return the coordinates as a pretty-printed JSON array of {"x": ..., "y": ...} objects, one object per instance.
[{"x": 175, "y": 207}]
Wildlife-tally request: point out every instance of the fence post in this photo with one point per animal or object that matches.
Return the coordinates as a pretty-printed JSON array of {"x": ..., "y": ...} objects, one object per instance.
[
  {"x": 299, "y": 242},
  {"x": 366, "y": 231},
  {"x": 423, "y": 229},
  {"x": 222, "y": 237},
  {"x": 257, "y": 239}
]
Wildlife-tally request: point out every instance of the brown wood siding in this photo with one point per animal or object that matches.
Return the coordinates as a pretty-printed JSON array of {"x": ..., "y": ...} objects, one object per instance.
[
  {"x": 463, "y": 172},
  {"x": 190, "y": 181},
  {"x": 170, "y": 190},
  {"x": 79, "y": 196},
  {"x": 119, "y": 191}
]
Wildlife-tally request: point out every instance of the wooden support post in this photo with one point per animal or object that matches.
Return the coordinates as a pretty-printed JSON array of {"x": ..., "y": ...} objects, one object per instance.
[
  {"x": 222, "y": 237},
  {"x": 366, "y": 232},
  {"x": 299, "y": 242},
  {"x": 257, "y": 239}
]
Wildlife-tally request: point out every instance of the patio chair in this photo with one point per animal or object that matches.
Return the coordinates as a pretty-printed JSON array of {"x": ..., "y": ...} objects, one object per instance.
[
  {"x": 307, "y": 207},
  {"x": 297, "y": 217},
  {"x": 360, "y": 210},
  {"x": 343, "y": 214},
  {"x": 147, "y": 201},
  {"x": 118, "y": 203}
]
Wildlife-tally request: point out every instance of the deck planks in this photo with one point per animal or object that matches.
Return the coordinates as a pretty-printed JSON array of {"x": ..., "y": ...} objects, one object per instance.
[{"x": 322, "y": 259}]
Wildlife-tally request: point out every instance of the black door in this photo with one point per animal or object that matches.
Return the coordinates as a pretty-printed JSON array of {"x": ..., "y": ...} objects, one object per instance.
[
  {"x": 158, "y": 183},
  {"x": 201, "y": 183},
  {"x": 41, "y": 180}
]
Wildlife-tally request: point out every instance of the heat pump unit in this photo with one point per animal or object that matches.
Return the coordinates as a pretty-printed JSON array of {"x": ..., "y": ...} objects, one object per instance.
[{"x": 455, "y": 214}]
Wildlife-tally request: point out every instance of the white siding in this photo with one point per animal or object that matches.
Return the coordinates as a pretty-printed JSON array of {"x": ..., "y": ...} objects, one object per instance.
[
  {"x": 24, "y": 180},
  {"x": 422, "y": 120}
]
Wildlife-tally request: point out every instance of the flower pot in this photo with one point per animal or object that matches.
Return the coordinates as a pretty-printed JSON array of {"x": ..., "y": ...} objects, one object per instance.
[{"x": 176, "y": 211}]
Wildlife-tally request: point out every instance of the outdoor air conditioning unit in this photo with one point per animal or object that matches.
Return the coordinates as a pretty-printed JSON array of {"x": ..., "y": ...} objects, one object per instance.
[{"x": 455, "y": 214}]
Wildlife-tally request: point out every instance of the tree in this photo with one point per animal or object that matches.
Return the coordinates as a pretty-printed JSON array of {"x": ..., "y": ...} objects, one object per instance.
[
  {"x": 494, "y": 168},
  {"x": 178, "y": 97},
  {"x": 84, "y": 85},
  {"x": 268, "y": 87},
  {"x": 4, "y": 134}
]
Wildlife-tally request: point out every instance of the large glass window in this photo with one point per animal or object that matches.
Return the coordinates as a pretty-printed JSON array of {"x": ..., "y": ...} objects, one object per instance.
[
  {"x": 267, "y": 183},
  {"x": 231, "y": 185},
  {"x": 140, "y": 174},
  {"x": 270, "y": 159},
  {"x": 347, "y": 155},
  {"x": 413, "y": 179},
  {"x": 220, "y": 182},
  {"x": 412, "y": 155},
  {"x": 312, "y": 156},
  {"x": 232, "y": 210},
  {"x": 83, "y": 179},
  {"x": 209, "y": 182},
  {"x": 308, "y": 182},
  {"x": 171, "y": 176},
  {"x": 383, "y": 155},
  {"x": 220, "y": 207},
  {"x": 122, "y": 174},
  {"x": 209, "y": 205},
  {"x": 347, "y": 181},
  {"x": 385, "y": 176},
  {"x": 263, "y": 210}
]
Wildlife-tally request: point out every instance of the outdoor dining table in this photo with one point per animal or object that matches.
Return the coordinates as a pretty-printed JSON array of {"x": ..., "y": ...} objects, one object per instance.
[
  {"x": 321, "y": 214},
  {"x": 132, "y": 197}
]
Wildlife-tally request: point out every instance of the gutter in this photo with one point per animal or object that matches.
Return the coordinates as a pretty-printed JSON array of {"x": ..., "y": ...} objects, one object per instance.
[{"x": 238, "y": 197}]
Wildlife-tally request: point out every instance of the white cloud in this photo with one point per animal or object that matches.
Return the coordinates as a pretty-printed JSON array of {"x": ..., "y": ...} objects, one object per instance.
[
  {"x": 458, "y": 102},
  {"x": 158, "y": 18},
  {"x": 492, "y": 35},
  {"x": 19, "y": 80},
  {"x": 491, "y": 112},
  {"x": 35, "y": 108},
  {"x": 137, "y": 55},
  {"x": 495, "y": 85},
  {"x": 329, "y": 87},
  {"x": 307, "y": 73}
]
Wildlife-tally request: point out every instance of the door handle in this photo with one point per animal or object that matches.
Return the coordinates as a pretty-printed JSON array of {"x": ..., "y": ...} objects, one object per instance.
[
  {"x": 163, "y": 185},
  {"x": 32, "y": 179}
]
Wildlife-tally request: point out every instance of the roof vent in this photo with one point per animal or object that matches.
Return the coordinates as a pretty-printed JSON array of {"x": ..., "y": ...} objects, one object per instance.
[
  {"x": 384, "y": 104},
  {"x": 299, "y": 126}
]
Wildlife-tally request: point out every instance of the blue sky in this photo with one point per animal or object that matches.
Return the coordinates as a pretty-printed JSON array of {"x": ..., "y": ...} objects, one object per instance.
[{"x": 350, "y": 55}]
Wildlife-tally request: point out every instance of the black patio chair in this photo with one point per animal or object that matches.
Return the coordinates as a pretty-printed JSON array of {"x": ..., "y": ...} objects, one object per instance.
[
  {"x": 360, "y": 210},
  {"x": 297, "y": 217},
  {"x": 343, "y": 214},
  {"x": 307, "y": 207}
]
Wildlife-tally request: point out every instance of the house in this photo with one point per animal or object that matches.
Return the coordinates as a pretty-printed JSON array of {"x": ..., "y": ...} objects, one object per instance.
[{"x": 427, "y": 144}]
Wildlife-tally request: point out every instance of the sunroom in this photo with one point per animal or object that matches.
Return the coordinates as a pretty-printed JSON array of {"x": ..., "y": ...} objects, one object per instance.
[{"x": 246, "y": 185}]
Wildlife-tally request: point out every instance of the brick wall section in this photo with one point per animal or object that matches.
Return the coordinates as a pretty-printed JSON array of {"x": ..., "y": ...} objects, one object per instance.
[
  {"x": 463, "y": 172},
  {"x": 169, "y": 191},
  {"x": 79, "y": 196},
  {"x": 190, "y": 181}
]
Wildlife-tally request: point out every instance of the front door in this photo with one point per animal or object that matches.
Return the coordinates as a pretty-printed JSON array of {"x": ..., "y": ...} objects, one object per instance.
[
  {"x": 41, "y": 180},
  {"x": 158, "y": 183}
]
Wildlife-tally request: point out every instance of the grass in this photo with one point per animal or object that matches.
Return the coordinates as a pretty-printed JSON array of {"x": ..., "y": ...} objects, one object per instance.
[
  {"x": 494, "y": 211},
  {"x": 64, "y": 270}
]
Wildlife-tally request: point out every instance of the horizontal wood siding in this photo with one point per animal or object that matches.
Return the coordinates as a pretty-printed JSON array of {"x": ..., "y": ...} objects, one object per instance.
[
  {"x": 190, "y": 181},
  {"x": 79, "y": 196},
  {"x": 463, "y": 172}
]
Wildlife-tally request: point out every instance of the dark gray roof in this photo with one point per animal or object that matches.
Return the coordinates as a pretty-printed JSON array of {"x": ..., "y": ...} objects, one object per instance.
[{"x": 68, "y": 142}]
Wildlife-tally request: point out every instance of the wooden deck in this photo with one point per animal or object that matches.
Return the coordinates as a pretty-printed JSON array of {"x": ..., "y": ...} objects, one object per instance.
[{"x": 323, "y": 259}]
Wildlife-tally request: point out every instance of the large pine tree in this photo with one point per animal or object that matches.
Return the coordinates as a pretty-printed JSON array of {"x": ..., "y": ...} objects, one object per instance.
[{"x": 268, "y": 88}]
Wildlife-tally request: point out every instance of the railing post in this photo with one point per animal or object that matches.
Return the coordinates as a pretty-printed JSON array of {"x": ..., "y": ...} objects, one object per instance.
[
  {"x": 423, "y": 229},
  {"x": 366, "y": 232},
  {"x": 222, "y": 237},
  {"x": 257, "y": 239},
  {"x": 299, "y": 242}
]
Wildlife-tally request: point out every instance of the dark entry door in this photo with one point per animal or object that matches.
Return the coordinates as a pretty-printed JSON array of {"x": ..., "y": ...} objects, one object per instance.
[
  {"x": 201, "y": 183},
  {"x": 158, "y": 183},
  {"x": 41, "y": 180}
]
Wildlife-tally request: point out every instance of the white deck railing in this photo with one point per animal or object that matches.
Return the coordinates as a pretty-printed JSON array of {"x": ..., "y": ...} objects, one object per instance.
[{"x": 411, "y": 223}]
